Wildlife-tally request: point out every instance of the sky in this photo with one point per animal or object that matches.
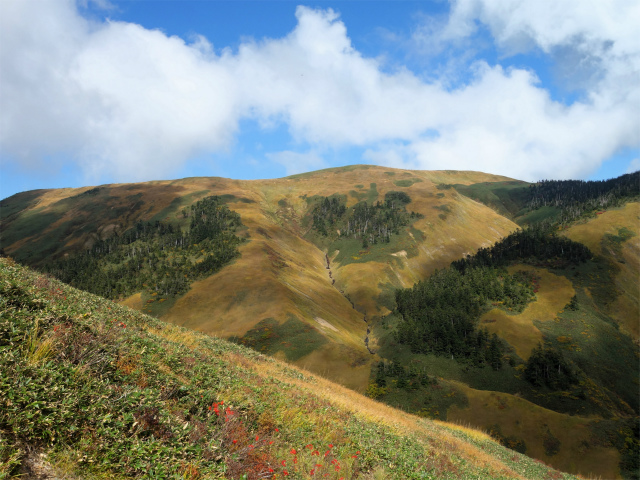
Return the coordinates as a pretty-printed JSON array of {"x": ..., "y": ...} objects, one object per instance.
[{"x": 110, "y": 91}]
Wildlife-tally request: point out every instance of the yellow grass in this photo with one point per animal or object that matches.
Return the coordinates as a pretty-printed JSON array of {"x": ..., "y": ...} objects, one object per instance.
[
  {"x": 626, "y": 309},
  {"x": 519, "y": 330},
  {"x": 522, "y": 419},
  {"x": 591, "y": 232}
]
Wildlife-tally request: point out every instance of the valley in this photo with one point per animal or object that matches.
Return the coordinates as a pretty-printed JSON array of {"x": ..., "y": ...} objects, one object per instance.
[{"x": 304, "y": 291}]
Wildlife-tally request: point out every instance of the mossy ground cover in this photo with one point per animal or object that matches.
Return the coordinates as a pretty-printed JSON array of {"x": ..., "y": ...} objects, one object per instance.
[{"x": 107, "y": 392}]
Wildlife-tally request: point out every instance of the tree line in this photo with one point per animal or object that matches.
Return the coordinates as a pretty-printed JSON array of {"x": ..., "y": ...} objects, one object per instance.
[
  {"x": 537, "y": 244},
  {"x": 158, "y": 257},
  {"x": 576, "y": 198},
  {"x": 439, "y": 314}
]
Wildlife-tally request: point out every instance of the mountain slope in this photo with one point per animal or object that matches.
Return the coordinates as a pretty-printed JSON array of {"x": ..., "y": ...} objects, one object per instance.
[
  {"x": 280, "y": 273},
  {"x": 94, "y": 389},
  {"x": 305, "y": 291}
]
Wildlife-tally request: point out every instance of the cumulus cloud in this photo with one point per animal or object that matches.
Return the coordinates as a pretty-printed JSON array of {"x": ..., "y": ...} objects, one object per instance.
[
  {"x": 133, "y": 103},
  {"x": 119, "y": 98}
]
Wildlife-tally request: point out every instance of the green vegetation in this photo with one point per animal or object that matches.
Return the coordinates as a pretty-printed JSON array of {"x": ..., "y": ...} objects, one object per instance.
[
  {"x": 553, "y": 201},
  {"x": 506, "y": 198},
  {"x": 613, "y": 243},
  {"x": 406, "y": 182},
  {"x": 47, "y": 228},
  {"x": 369, "y": 223},
  {"x": 585, "y": 366},
  {"x": 603, "y": 359},
  {"x": 102, "y": 391},
  {"x": 451, "y": 363},
  {"x": 176, "y": 205},
  {"x": 577, "y": 198},
  {"x": 439, "y": 315},
  {"x": 11, "y": 207},
  {"x": 547, "y": 366},
  {"x": 410, "y": 388},
  {"x": 512, "y": 442},
  {"x": 370, "y": 195},
  {"x": 158, "y": 258},
  {"x": 295, "y": 338},
  {"x": 536, "y": 245}
]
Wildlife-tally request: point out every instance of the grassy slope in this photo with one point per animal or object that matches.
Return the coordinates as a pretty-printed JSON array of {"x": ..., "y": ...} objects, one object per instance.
[
  {"x": 107, "y": 392},
  {"x": 587, "y": 337},
  {"x": 520, "y": 330},
  {"x": 280, "y": 273},
  {"x": 625, "y": 258},
  {"x": 519, "y": 419}
]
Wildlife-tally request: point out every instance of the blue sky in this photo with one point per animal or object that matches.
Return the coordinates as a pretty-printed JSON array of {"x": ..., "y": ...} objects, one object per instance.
[{"x": 95, "y": 92}]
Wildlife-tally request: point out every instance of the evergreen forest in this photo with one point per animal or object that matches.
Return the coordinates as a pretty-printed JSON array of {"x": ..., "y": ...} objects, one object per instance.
[
  {"x": 439, "y": 314},
  {"x": 160, "y": 258},
  {"x": 577, "y": 198},
  {"x": 372, "y": 223}
]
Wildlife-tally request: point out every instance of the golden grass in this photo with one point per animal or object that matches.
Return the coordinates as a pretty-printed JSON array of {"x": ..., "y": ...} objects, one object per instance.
[
  {"x": 591, "y": 232},
  {"x": 519, "y": 330},
  {"x": 175, "y": 334},
  {"x": 522, "y": 419},
  {"x": 626, "y": 308},
  {"x": 134, "y": 301},
  {"x": 348, "y": 368},
  {"x": 467, "y": 428}
]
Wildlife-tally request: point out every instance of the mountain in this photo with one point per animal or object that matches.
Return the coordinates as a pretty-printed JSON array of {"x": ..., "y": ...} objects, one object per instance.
[
  {"x": 308, "y": 268},
  {"x": 280, "y": 273}
]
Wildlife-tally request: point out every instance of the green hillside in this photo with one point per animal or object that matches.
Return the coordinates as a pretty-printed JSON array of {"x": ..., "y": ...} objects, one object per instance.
[
  {"x": 91, "y": 389},
  {"x": 566, "y": 349},
  {"x": 416, "y": 288}
]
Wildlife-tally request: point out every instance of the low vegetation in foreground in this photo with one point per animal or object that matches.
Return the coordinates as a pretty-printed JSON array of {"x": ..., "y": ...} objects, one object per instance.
[{"x": 101, "y": 391}]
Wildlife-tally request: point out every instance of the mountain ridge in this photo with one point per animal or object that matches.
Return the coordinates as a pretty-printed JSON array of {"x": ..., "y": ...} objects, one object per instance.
[{"x": 326, "y": 302}]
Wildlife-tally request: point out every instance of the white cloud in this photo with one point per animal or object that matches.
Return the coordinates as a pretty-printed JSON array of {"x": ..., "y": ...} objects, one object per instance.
[
  {"x": 123, "y": 100},
  {"x": 134, "y": 103}
]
